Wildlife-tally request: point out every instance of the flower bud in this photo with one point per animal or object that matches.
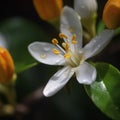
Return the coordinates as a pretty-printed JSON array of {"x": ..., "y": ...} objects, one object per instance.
[
  {"x": 87, "y": 9},
  {"x": 6, "y": 66},
  {"x": 48, "y": 10},
  {"x": 111, "y": 14}
]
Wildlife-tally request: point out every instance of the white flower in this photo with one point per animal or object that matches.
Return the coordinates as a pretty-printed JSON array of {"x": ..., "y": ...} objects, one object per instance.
[{"x": 71, "y": 55}]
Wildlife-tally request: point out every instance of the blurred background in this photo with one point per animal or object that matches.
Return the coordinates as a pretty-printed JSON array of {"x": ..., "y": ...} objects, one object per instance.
[{"x": 73, "y": 104}]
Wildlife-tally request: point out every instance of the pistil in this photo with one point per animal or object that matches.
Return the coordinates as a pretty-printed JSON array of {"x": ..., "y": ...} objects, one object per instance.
[{"x": 72, "y": 58}]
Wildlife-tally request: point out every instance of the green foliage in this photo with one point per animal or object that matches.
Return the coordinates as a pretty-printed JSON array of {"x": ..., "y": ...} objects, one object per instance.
[
  {"x": 19, "y": 33},
  {"x": 105, "y": 91},
  {"x": 117, "y": 31}
]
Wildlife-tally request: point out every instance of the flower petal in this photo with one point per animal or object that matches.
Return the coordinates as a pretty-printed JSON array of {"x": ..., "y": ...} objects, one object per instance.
[
  {"x": 85, "y": 7},
  {"x": 58, "y": 81},
  {"x": 98, "y": 43},
  {"x": 86, "y": 73},
  {"x": 70, "y": 24},
  {"x": 3, "y": 42},
  {"x": 42, "y": 52}
]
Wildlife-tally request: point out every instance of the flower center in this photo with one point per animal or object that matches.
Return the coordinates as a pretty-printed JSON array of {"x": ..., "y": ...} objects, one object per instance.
[{"x": 68, "y": 50}]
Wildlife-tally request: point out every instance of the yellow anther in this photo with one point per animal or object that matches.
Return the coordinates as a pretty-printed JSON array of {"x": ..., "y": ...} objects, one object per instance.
[
  {"x": 67, "y": 55},
  {"x": 55, "y": 51},
  {"x": 74, "y": 39},
  {"x": 54, "y": 41},
  {"x": 65, "y": 46},
  {"x": 61, "y": 35}
]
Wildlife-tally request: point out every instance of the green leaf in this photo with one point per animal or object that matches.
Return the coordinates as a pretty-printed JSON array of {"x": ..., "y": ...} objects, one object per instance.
[
  {"x": 105, "y": 91},
  {"x": 19, "y": 33}
]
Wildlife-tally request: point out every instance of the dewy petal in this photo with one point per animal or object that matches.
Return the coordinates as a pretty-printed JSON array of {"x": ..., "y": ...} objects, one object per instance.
[
  {"x": 58, "y": 81},
  {"x": 42, "y": 52},
  {"x": 98, "y": 43},
  {"x": 70, "y": 24},
  {"x": 85, "y": 7},
  {"x": 86, "y": 73}
]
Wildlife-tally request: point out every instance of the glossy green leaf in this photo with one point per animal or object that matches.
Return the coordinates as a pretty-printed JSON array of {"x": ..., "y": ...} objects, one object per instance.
[
  {"x": 105, "y": 91},
  {"x": 19, "y": 33}
]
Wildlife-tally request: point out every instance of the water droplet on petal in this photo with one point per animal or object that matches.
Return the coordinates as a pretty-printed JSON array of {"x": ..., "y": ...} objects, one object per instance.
[
  {"x": 46, "y": 48},
  {"x": 71, "y": 29},
  {"x": 43, "y": 56}
]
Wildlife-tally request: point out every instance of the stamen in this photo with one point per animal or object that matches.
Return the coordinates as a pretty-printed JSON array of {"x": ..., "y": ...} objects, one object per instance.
[
  {"x": 67, "y": 55},
  {"x": 66, "y": 46},
  {"x": 61, "y": 35},
  {"x": 55, "y": 51},
  {"x": 54, "y": 41},
  {"x": 74, "y": 39}
]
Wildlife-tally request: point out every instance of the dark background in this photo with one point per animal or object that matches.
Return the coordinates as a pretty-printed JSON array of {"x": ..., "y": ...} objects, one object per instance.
[{"x": 67, "y": 106}]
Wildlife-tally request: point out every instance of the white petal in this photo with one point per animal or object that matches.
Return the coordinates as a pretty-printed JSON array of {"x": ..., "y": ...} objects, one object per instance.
[
  {"x": 98, "y": 43},
  {"x": 70, "y": 24},
  {"x": 3, "y": 42},
  {"x": 42, "y": 52},
  {"x": 85, "y": 8},
  {"x": 86, "y": 73},
  {"x": 58, "y": 81}
]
